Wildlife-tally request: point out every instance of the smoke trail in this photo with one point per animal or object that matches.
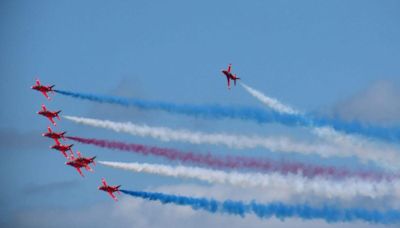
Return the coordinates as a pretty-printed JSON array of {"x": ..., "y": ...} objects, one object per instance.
[
  {"x": 385, "y": 157},
  {"x": 321, "y": 131},
  {"x": 349, "y": 142},
  {"x": 242, "y": 113},
  {"x": 277, "y": 209},
  {"x": 270, "y": 102},
  {"x": 292, "y": 184},
  {"x": 235, "y": 162},
  {"x": 370, "y": 148},
  {"x": 203, "y": 111}
]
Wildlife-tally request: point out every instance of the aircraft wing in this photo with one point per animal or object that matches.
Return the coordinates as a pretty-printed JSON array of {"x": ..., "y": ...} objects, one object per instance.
[
  {"x": 87, "y": 167},
  {"x": 57, "y": 142},
  {"x": 104, "y": 181},
  {"x": 113, "y": 196},
  {"x": 45, "y": 94},
  {"x": 63, "y": 152},
  {"x": 80, "y": 172},
  {"x": 52, "y": 121},
  {"x": 229, "y": 82}
]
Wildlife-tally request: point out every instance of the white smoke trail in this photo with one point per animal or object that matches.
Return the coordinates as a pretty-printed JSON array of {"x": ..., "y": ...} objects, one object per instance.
[
  {"x": 363, "y": 148},
  {"x": 291, "y": 184},
  {"x": 282, "y": 144},
  {"x": 385, "y": 157},
  {"x": 270, "y": 102}
]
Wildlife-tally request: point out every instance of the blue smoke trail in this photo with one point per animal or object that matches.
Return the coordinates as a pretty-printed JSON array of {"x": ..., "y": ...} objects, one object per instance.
[
  {"x": 244, "y": 113},
  {"x": 279, "y": 210}
]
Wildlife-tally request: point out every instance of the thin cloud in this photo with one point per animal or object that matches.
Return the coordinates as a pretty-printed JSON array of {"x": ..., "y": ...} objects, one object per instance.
[
  {"x": 34, "y": 188},
  {"x": 377, "y": 104},
  {"x": 12, "y": 139}
]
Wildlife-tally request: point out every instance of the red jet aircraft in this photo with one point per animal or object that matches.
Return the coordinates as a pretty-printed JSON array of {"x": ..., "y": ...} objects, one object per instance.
[
  {"x": 49, "y": 114},
  {"x": 54, "y": 135},
  {"x": 230, "y": 76},
  {"x": 62, "y": 148},
  {"x": 42, "y": 88},
  {"x": 80, "y": 162},
  {"x": 110, "y": 189}
]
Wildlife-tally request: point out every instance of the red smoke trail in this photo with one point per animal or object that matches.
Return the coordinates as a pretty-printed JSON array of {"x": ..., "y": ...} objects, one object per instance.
[{"x": 236, "y": 162}]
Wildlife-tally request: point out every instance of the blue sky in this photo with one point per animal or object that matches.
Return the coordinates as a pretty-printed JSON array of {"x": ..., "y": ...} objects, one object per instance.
[{"x": 314, "y": 55}]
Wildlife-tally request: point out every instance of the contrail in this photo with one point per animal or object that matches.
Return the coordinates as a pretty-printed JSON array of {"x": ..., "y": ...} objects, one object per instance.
[
  {"x": 278, "y": 209},
  {"x": 235, "y": 162},
  {"x": 344, "y": 141},
  {"x": 385, "y": 157},
  {"x": 242, "y": 113},
  {"x": 318, "y": 124},
  {"x": 369, "y": 148},
  {"x": 270, "y": 102},
  {"x": 203, "y": 111},
  {"x": 292, "y": 184}
]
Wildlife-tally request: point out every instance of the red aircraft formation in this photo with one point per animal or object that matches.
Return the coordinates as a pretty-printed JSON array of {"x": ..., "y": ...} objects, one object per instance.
[
  {"x": 80, "y": 161},
  {"x": 76, "y": 162}
]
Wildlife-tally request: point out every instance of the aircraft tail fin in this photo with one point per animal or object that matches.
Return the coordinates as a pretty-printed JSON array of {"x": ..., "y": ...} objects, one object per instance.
[
  {"x": 58, "y": 117},
  {"x": 62, "y": 135}
]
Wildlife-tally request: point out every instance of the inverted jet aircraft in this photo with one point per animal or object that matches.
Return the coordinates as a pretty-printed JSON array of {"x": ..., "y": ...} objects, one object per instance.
[
  {"x": 62, "y": 148},
  {"x": 230, "y": 76},
  {"x": 110, "y": 189},
  {"x": 49, "y": 114},
  {"x": 54, "y": 135},
  {"x": 80, "y": 162},
  {"x": 43, "y": 89}
]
